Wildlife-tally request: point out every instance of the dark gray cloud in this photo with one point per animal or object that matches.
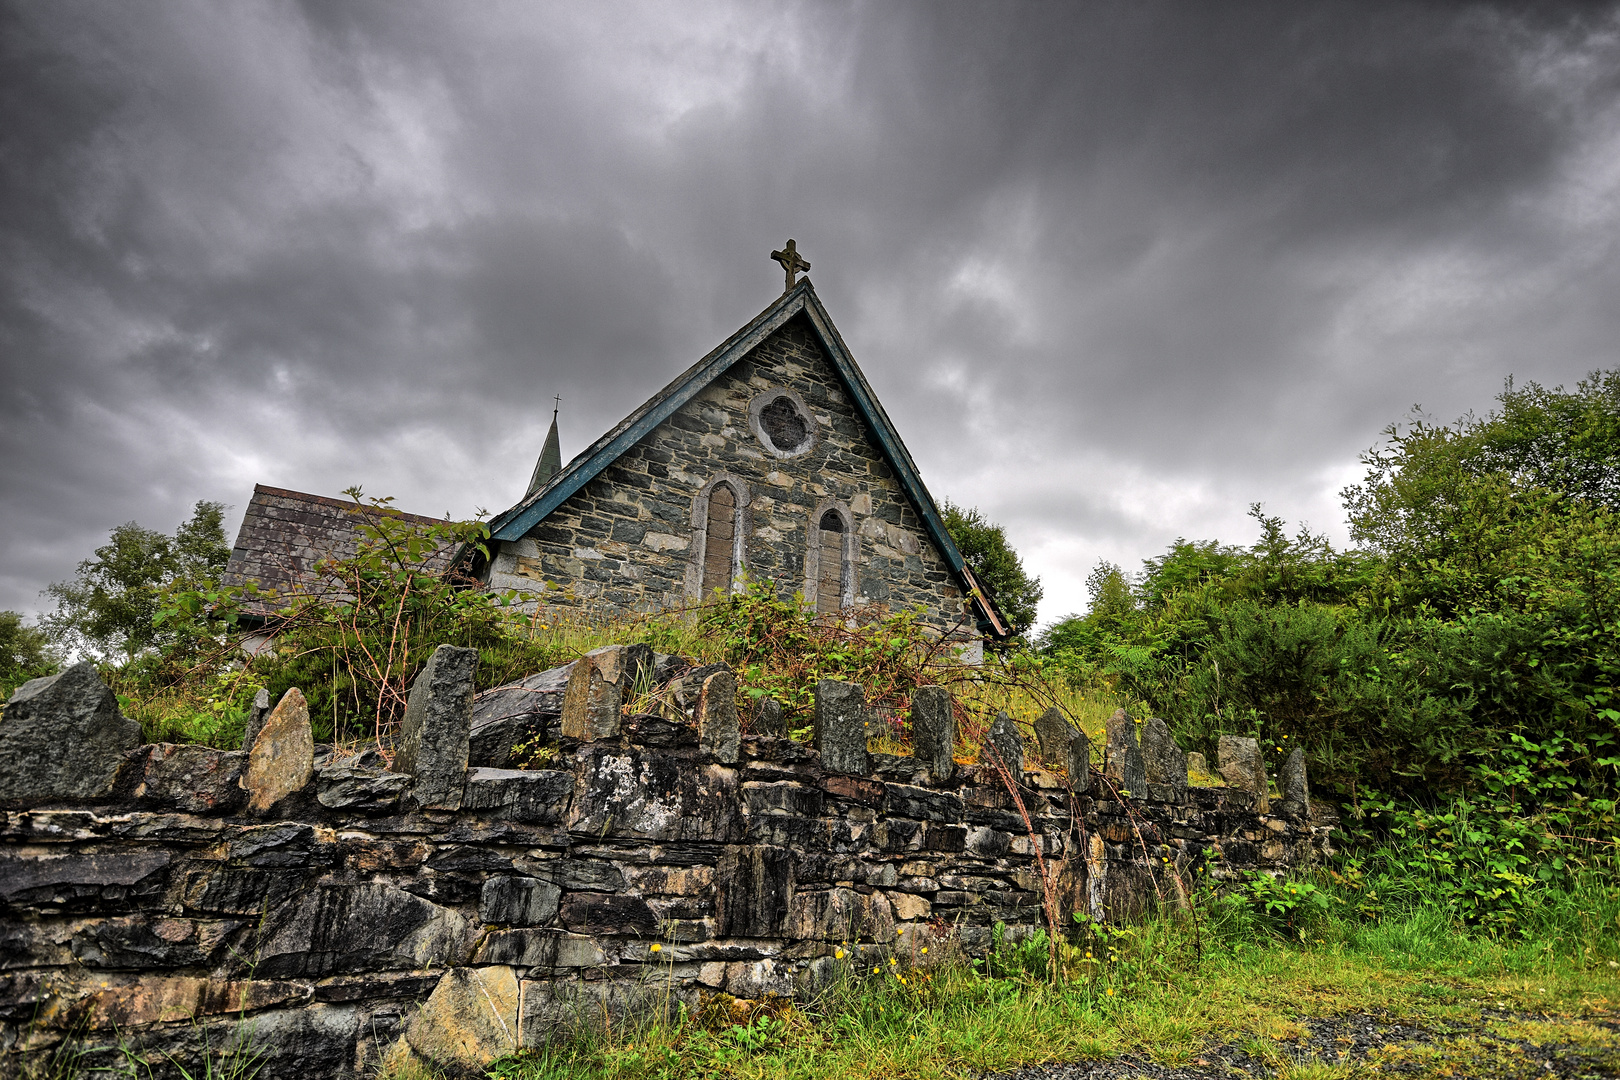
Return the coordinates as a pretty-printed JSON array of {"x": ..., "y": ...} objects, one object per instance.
[{"x": 1117, "y": 269}]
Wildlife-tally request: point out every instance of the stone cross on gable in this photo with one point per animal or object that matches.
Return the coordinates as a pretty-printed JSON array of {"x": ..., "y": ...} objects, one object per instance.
[{"x": 791, "y": 262}]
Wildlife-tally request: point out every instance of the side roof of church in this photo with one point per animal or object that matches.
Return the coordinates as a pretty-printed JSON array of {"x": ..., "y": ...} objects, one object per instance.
[
  {"x": 515, "y": 523},
  {"x": 284, "y": 534}
]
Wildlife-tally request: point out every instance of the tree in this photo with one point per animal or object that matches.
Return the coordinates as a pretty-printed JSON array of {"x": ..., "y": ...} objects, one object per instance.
[
  {"x": 1109, "y": 591},
  {"x": 1421, "y": 484},
  {"x": 25, "y": 652},
  {"x": 109, "y": 608},
  {"x": 984, "y": 546}
]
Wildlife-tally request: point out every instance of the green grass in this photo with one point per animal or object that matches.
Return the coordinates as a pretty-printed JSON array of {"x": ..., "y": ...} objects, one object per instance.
[{"x": 1169, "y": 994}]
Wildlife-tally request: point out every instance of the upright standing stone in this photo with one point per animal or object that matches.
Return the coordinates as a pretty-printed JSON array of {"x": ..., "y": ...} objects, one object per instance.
[
  {"x": 283, "y": 756},
  {"x": 1163, "y": 761},
  {"x": 601, "y": 682},
  {"x": 933, "y": 731},
  {"x": 1007, "y": 743},
  {"x": 1241, "y": 766},
  {"x": 1124, "y": 764},
  {"x": 768, "y": 718},
  {"x": 62, "y": 737},
  {"x": 1196, "y": 765},
  {"x": 1052, "y": 730},
  {"x": 840, "y": 727},
  {"x": 1296, "y": 791},
  {"x": 1078, "y": 762},
  {"x": 434, "y": 740},
  {"x": 1064, "y": 744},
  {"x": 719, "y": 732},
  {"x": 255, "y": 719}
]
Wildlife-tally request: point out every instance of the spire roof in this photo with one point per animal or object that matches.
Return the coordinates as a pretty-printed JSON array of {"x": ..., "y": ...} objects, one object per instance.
[{"x": 550, "y": 463}]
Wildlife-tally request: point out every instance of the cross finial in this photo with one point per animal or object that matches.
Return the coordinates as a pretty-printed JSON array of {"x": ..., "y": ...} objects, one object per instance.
[
  {"x": 791, "y": 262},
  {"x": 555, "y": 408}
]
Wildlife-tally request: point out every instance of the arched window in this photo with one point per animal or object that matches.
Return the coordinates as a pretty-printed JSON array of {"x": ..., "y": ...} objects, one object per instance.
[
  {"x": 830, "y": 568},
  {"x": 831, "y": 546},
  {"x": 719, "y": 538}
]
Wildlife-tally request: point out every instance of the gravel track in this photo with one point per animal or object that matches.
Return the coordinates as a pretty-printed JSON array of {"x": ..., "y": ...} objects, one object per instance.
[{"x": 1362, "y": 1039}]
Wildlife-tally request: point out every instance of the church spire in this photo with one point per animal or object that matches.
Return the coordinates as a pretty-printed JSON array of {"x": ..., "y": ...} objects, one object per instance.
[{"x": 550, "y": 463}]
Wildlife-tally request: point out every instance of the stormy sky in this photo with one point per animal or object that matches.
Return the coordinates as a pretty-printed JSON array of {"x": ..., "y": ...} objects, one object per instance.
[{"x": 1116, "y": 270}]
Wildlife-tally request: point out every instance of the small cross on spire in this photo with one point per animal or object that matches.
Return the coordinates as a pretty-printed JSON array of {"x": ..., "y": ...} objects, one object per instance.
[{"x": 791, "y": 262}]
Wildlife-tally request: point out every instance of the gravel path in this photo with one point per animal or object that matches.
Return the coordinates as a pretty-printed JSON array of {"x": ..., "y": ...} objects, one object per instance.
[{"x": 1355, "y": 1038}]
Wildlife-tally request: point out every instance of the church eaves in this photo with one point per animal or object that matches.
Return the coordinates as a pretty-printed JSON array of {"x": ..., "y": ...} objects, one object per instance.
[{"x": 513, "y": 524}]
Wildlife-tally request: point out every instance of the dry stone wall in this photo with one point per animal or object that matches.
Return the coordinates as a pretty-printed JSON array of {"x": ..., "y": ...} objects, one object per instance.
[{"x": 363, "y": 912}]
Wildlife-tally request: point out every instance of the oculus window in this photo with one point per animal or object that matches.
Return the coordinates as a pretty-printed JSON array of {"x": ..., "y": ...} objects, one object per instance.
[{"x": 782, "y": 423}]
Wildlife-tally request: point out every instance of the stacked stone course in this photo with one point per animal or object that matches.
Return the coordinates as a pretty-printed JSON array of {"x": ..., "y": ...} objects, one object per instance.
[{"x": 351, "y": 918}]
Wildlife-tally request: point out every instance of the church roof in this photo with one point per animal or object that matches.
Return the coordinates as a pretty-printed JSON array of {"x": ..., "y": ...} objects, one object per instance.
[
  {"x": 550, "y": 463},
  {"x": 285, "y": 533},
  {"x": 513, "y": 524}
]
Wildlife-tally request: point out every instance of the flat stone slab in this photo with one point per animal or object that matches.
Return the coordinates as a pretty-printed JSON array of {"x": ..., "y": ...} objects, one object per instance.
[
  {"x": 933, "y": 731},
  {"x": 359, "y": 787},
  {"x": 1165, "y": 764},
  {"x": 1125, "y": 766},
  {"x": 1007, "y": 742},
  {"x": 1296, "y": 790},
  {"x": 469, "y": 1020},
  {"x": 513, "y": 714},
  {"x": 539, "y": 796},
  {"x": 1242, "y": 767},
  {"x": 192, "y": 779},
  {"x": 719, "y": 730}
]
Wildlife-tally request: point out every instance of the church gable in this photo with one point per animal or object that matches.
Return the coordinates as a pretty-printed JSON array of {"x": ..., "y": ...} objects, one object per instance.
[{"x": 770, "y": 469}]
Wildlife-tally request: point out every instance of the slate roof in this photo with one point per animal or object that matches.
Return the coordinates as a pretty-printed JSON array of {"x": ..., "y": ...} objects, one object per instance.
[
  {"x": 285, "y": 533},
  {"x": 513, "y": 524}
]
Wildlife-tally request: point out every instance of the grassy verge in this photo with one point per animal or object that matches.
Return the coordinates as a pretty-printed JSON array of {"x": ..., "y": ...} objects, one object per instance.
[{"x": 1164, "y": 994}]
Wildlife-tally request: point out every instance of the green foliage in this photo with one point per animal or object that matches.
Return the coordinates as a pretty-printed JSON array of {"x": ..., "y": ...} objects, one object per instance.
[
  {"x": 984, "y": 546},
  {"x": 1110, "y": 592},
  {"x": 780, "y": 649},
  {"x": 1486, "y": 609},
  {"x": 354, "y": 640},
  {"x": 110, "y": 608},
  {"x": 1416, "y": 491},
  {"x": 25, "y": 653},
  {"x": 1283, "y": 904}
]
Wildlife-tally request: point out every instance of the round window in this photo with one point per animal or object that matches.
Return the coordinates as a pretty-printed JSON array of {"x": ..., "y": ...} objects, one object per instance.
[{"x": 782, "y": 423}]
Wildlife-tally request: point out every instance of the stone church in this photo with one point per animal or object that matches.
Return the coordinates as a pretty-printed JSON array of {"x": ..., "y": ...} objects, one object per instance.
[{"x": 769, "y": 459}]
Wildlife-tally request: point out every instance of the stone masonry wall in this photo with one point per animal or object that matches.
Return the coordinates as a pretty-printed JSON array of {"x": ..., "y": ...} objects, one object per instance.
[
  {"x": 625, "y": 540},
  {"x": 363, "y": 912}
]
